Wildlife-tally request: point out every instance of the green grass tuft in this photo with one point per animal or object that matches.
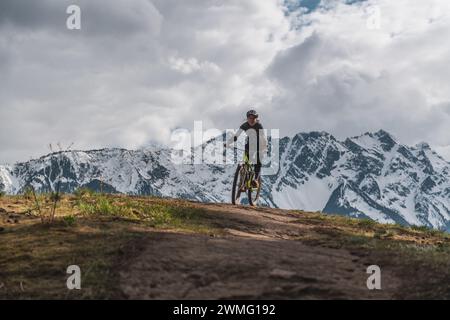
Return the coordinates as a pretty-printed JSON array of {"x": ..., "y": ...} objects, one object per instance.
[
  {"x": 69, "y": 220},
  {"x": 154, "y": 213}
]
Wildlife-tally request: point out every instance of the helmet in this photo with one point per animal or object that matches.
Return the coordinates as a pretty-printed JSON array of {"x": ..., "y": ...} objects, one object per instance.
[{"x": 252, "y": 113}]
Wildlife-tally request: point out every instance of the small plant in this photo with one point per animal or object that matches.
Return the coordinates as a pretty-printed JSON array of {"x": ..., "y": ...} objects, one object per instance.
[
  {"x": 384, "y": 233},
  {"x": 366, "y": 223},
  {"x": 69, "y": 220},
  {"x": 56, "y": 194},
  {"x": 157, "y": 214},
  {"x": 104, "y": 206},
  {"x": 83, "y": 192},
  {"x": 48, "y": 215},
  {"x": 420, "y": 228},
  {"x": 101, "y": 205},
  {"x": 2, "y": 194},
  {"x": 428, "y": 231},
  {"x": 55, "y": 197},
  {"x": 29, "y": 193}
]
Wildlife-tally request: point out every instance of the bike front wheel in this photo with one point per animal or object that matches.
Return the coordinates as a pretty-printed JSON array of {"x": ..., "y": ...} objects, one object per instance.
[
  {"x": 237, "y": 184},
  {"x": 253, "y": 194}
]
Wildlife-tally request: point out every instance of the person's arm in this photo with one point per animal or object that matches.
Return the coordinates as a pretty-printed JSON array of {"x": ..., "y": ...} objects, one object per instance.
[{"x": 233, "y": 138}]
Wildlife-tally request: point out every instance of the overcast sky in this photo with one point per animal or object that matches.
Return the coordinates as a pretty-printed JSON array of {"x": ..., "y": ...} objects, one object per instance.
[{"x": 139, "y": 69}]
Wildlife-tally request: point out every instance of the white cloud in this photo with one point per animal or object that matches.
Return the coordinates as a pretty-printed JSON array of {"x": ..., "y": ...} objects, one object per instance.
[
  {"x": 140, "y": 68},
  {"x": 187, "y": 66},
  {"x": 443, "y": 151},
  {"x": 346, "y": 78},
  {"x": 136, "y": 70}
]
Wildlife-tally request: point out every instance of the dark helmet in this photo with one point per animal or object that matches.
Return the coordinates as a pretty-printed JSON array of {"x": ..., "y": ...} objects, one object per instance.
[{"x": 252, "y": 113}]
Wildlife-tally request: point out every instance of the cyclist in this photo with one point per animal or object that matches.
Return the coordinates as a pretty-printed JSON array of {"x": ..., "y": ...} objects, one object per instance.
[{"x": 260, "y": 139}]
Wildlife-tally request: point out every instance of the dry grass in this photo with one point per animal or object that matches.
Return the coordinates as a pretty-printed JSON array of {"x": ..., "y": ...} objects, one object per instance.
[
  {"x": 95, "y": 232},
  {"x": 414, "y": 253}
]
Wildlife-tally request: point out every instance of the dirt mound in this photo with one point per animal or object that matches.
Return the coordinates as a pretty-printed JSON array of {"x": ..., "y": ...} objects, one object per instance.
[{"x": 258, "y": 258}]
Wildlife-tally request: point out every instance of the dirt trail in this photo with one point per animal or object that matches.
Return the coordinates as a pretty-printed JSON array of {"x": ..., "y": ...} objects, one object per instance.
[{"x": 258, "y": 257}]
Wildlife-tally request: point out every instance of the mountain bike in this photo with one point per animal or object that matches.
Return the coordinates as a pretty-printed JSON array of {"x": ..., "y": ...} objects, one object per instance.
[{"x": 242, "y": 182}]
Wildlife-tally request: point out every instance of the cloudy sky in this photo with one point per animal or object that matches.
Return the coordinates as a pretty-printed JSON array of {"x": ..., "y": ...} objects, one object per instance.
[{"x": 139, "y": 69}]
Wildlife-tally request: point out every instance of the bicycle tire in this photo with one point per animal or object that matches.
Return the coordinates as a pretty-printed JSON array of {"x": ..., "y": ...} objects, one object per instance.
[{"x": 236, "y": 192}]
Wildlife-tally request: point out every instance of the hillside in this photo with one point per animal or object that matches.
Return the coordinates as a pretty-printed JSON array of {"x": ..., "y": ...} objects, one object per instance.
[
  {"x": 369, "y": 176},
  {"x": 154, "y": 248}
]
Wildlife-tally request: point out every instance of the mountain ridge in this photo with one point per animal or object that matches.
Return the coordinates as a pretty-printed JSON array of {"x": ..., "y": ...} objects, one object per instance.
[{"x": 371, "y": 176}]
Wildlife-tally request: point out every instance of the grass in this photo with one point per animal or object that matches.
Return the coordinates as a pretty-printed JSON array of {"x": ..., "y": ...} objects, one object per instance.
[
  {"x": 69, "y": 220},
  {"x": 35, "y": 257},
  {"x": 338, "y": 231},
  {"x": 153, "y": 212},
  {"x": 372, "y": 229},
  {"x": 408, "y": 251},
  {"x": 94, "y": 231}
]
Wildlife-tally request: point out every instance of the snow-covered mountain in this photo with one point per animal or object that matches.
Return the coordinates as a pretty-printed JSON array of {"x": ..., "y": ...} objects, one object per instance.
[{"x": 371, "y": 175}]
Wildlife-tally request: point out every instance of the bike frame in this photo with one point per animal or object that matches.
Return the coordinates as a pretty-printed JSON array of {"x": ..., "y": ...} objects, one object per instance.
[{"x": 249, "y": 172}]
